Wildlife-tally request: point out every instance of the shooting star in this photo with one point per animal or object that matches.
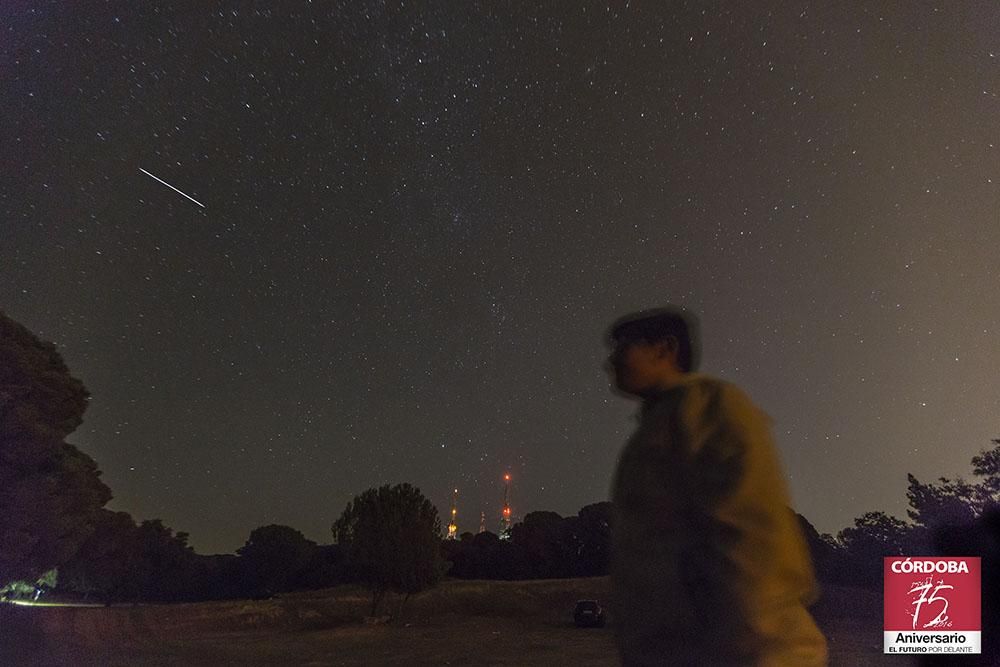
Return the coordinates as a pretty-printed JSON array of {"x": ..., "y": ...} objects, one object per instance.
[{"x": 171, "y": 187}]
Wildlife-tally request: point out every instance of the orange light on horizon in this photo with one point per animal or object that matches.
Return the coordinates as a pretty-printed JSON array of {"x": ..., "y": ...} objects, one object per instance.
[{"x": 506, "y": 477}]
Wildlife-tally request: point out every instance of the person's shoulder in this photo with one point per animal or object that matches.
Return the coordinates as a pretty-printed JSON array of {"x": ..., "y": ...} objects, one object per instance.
[
  {"x": 700, "y": 395},
  {"x": 707, "y": 384},
  {"x": 718, "y": 395}
]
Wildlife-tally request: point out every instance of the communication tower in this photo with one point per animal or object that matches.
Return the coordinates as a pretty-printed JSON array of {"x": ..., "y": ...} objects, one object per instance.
[
  {"x": 453, "y": 526},
  {"x": 505, "y": 514},
  {"x": 482, "y": 522}
]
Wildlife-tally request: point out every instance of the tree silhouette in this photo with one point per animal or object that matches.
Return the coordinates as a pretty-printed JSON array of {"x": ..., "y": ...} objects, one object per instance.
[
  {"x": 987, "y": 465},
  {"x": 326, "y": 568},
  {"x": 548, "y": 544},
  {"x": 50, "y": 491},
  {"x": 828, "y": 554},
  {"x": 876, "y": 531},
  {"x": 122, "y": 561},
  {"x": 947, "y": 502},
  {"x": 392, "y": 538},
  {"x": 874, "y": 536},
  {"x": 956, "y": 502},
  {"x": 166, "y": 562},
  {"x": 108, "y": 562},
  {"x": 594, "y": 539},
  {"x": 275, "y": 558},
  {"x": 481, "y": 556}
]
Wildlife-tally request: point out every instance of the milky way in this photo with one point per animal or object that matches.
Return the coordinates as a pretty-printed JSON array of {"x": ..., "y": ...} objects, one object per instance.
[{"x": 420, "y": 218}]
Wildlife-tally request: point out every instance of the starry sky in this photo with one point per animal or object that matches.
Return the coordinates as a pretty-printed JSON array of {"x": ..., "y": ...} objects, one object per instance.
[{"x": 417, "y": 220}]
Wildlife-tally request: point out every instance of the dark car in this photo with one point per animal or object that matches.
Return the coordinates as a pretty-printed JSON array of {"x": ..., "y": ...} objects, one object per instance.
[{"x": 588, "y": 614}]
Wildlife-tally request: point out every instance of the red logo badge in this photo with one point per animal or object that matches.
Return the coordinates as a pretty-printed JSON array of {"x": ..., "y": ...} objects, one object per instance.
[{"x": 932, "y": 605}]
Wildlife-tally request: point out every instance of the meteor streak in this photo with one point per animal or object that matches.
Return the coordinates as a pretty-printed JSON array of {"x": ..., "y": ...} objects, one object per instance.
[{"x": 171, "y": 187}]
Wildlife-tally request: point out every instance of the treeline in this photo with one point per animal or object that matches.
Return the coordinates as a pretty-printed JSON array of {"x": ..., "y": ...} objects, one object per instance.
[
  {"x": 52, "y": 515},
  {"x": 543, "y": 546},
  {"x": 148, "y": 562},
  {"x": 124, "y": 562},
  {"x": 946, "y": 517}
]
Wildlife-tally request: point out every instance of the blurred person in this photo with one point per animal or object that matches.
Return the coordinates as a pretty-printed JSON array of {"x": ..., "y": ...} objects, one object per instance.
[
  {"x": 980, "y": 538},
  {"x": 710, "y": 566}
]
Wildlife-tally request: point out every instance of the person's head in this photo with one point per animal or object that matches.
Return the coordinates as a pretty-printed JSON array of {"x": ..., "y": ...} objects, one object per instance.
[{"x": 653, "y": 349}]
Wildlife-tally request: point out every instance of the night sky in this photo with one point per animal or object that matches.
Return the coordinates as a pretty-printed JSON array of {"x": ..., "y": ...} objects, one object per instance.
[{"x": 419, "y": 218}]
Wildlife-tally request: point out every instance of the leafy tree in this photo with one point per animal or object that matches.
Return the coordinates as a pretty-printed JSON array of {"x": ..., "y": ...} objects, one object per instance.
[
  {"x": 485, "y": 556},
  {"x": 392, "y": 540},
  {"x": 108, "y": 563},
  {"x": 951, "y": 503},
  {"x": 326, "y": 568},
  {"x": 166, "y": 562},
  {"x": 122, "y": 561},
  {"x": 947, "y": 502},
  {"x": 49, "y": 579},
  {"x": 987, "y": 465},
  {"x": 219, "y": 577},
  {"x": 876, "y": 532},
  {"x": 547, "y": 543},
  {"x": 50, "y": 491},
  {"x": 963, "y": 519},
  {"x": 19, "y": 590},
  {"x": 594, "y": 539},
  {"x": 275, "y": 558},
  {"x": 828, "y": 554},
  {"x": 874, "y": 536}
]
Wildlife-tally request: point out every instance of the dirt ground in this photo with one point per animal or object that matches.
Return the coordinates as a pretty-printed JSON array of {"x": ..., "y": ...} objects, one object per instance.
[{"x": 459, "y": 623}]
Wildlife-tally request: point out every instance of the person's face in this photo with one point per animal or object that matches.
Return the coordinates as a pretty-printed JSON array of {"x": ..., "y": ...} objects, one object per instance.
[{"x": 637, "y": 366}]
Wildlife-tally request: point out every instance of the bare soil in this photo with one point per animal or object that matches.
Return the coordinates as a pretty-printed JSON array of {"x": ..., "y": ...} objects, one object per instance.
[{"x": 458, "y": 623}]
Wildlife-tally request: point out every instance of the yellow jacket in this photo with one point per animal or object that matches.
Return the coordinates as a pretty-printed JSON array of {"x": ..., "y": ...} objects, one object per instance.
[{"x": 710, "y": 566}]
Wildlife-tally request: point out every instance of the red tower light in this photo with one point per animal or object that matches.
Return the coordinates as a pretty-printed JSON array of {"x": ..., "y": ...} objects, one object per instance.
[{"x": 505, "y": 515}]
